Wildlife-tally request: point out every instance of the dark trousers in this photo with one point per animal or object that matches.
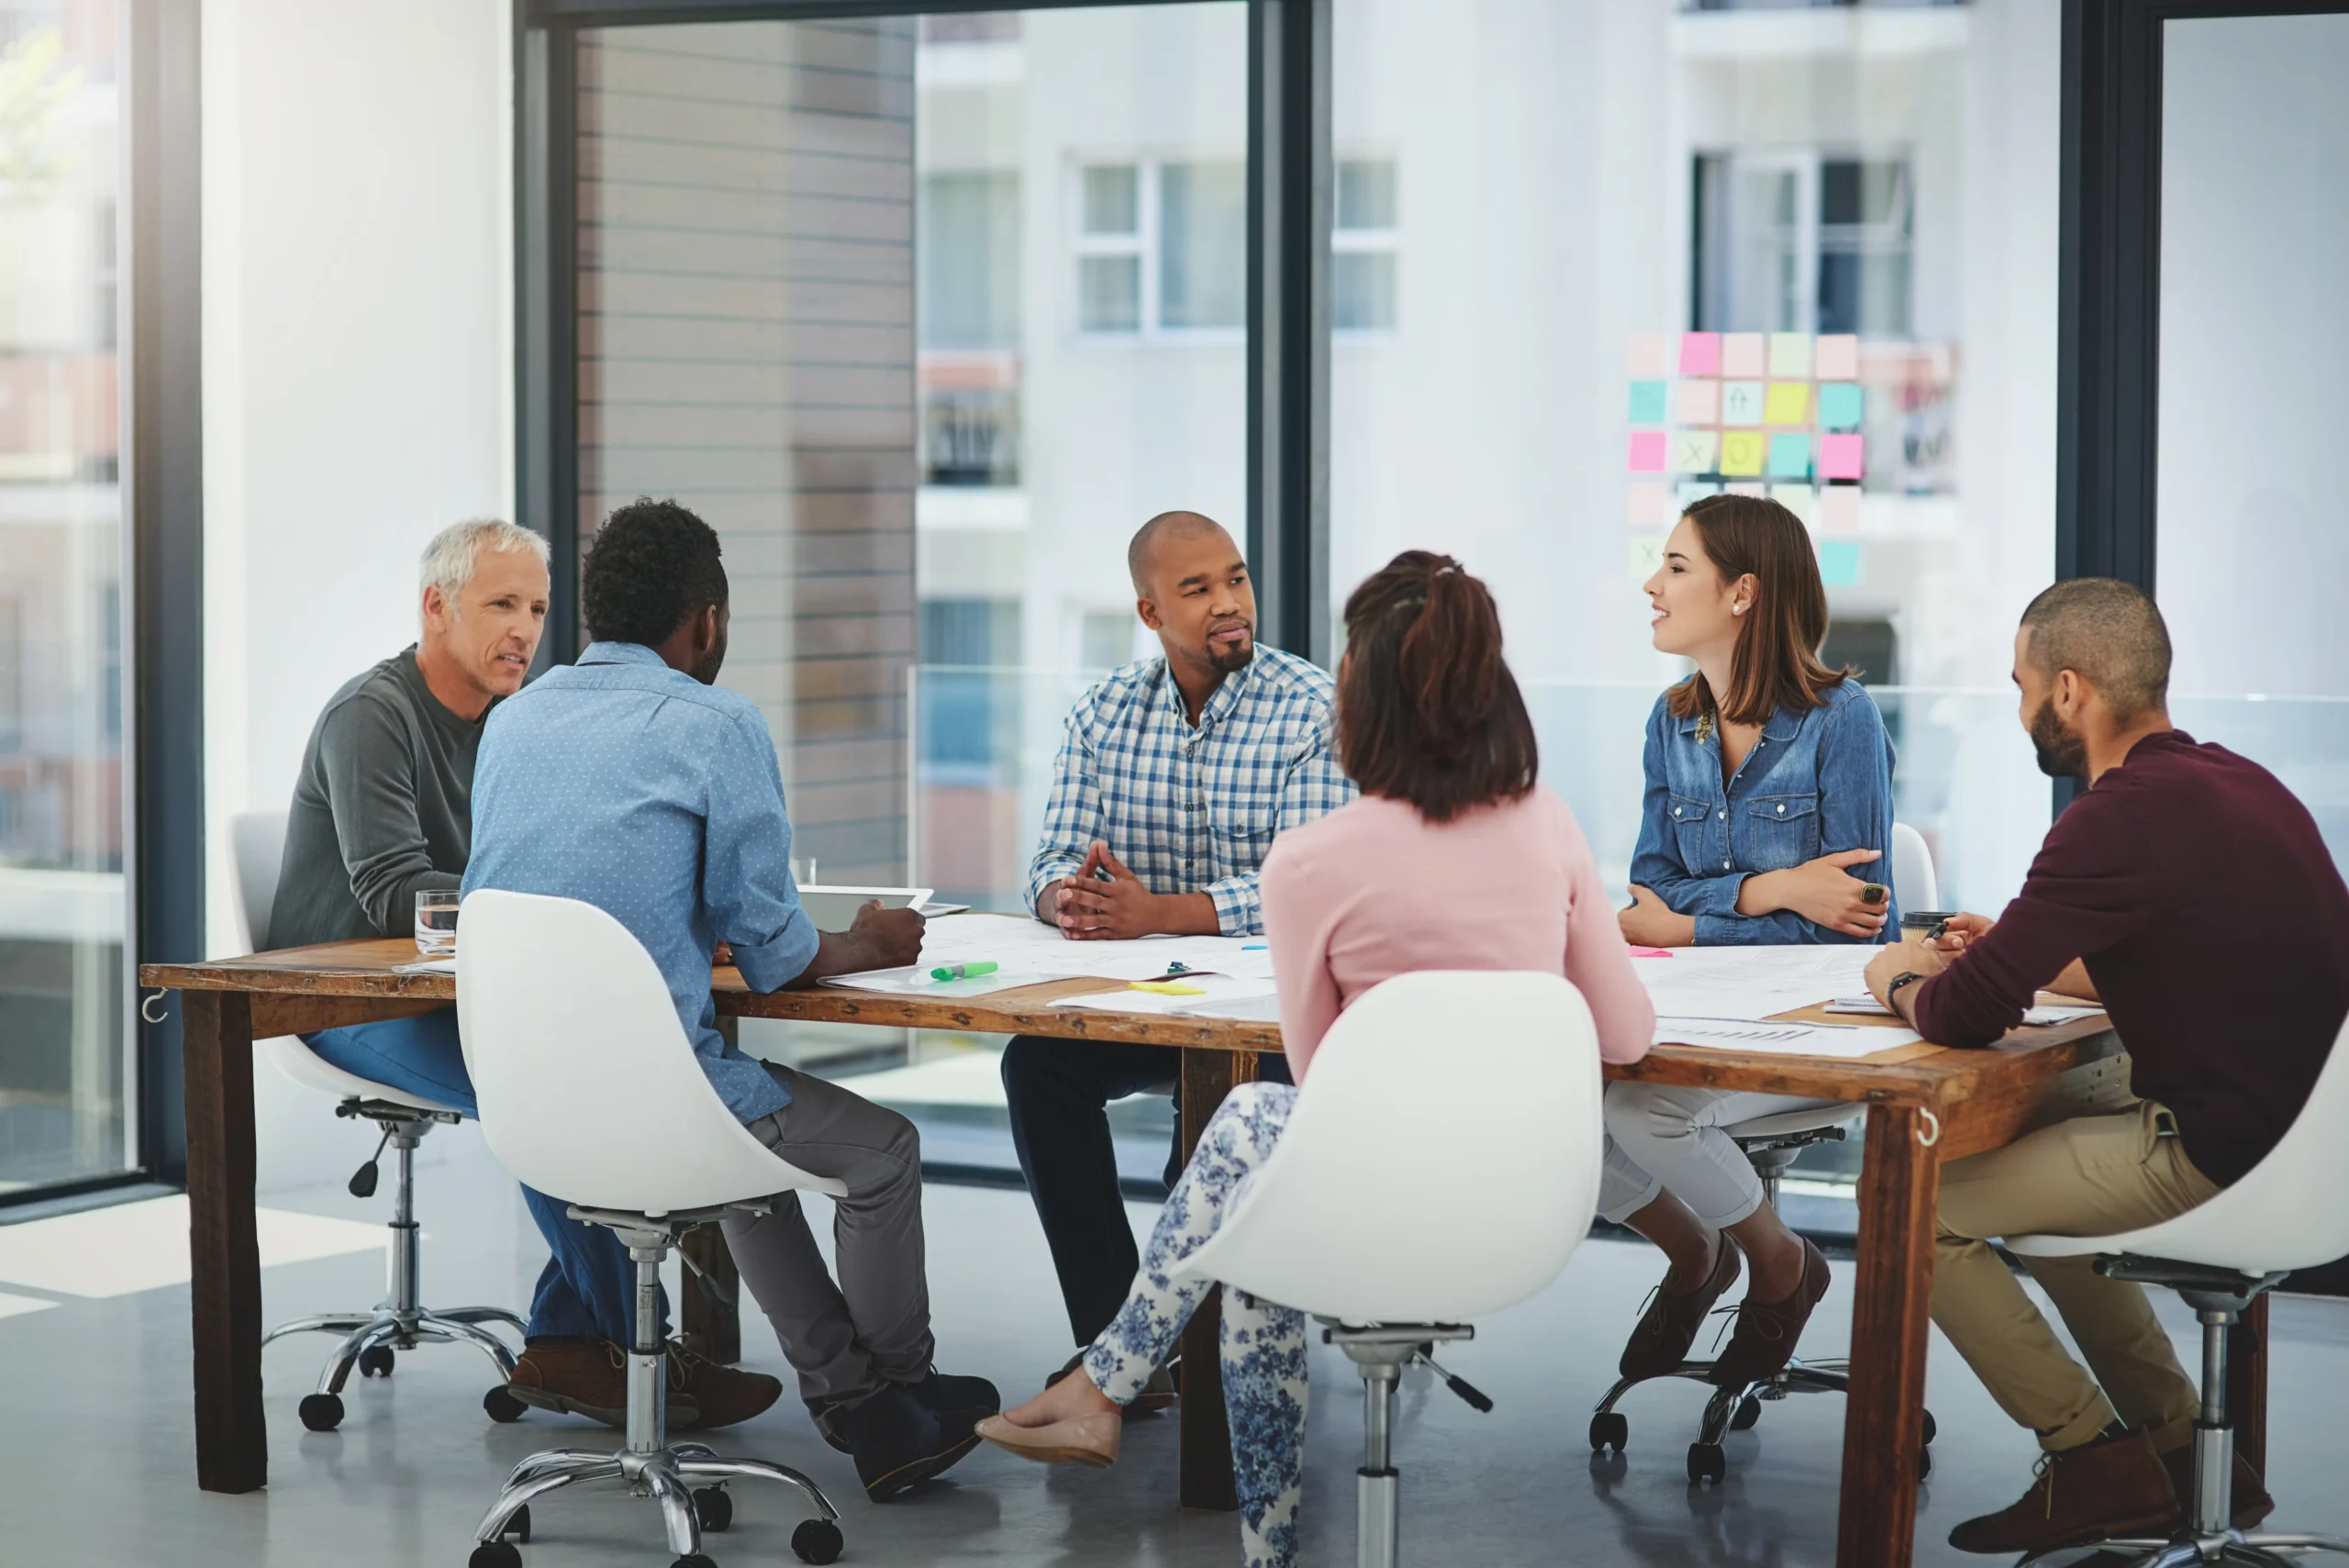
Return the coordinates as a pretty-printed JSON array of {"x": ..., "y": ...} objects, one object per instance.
[{"x": 1059, "y": 1091}]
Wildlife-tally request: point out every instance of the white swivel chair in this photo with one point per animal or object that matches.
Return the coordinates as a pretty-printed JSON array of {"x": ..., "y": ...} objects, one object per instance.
[
  {"x": 2284, "y": 1215},
  {"x": 1771, "y": 1143},
  {"x": 590, "y": 1092},
  {"x": 400, "y": 1321},
  {"x": 1406, "y": 1195}
]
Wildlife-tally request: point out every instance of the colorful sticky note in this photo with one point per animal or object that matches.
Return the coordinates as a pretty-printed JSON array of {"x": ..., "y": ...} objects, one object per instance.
[
  {"x": 1741, "y": 354},
  {"x": 1791, "y": 354},
  {"x": 1647, "y": 402},
  {"x": 1787, "y": 403},
  {"x": 1756, "y": 489},
  {"x": 1795, "y": 498},
  {"x": 1647, "y": 556},
  {"x": 1649, "y": 505},
  {"x": 1650, "y": 357},
  {"x": 1790, "y": 457},
  {"x": 1697, "y": 403},
  {"x": 1693, "y": 451},
  {"x": 1700, "y": 353},
  {"x": 1839, "y": 509},
  {"x": 1841, "y": 457},
  {"x": 1742, "y": 451},
  {"x": 1647, "y": 451},
  {"x": 1837, "y": 358},
  {"x": 1740, "y": 403},
  {"x": 1839, "y": 563},
  {"x": 1840, "y": 405},
  {"x": 1691, "y": 491}
]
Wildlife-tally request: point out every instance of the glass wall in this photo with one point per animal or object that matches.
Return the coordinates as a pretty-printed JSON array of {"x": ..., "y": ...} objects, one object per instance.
[{"x": 64, "y": 1049}]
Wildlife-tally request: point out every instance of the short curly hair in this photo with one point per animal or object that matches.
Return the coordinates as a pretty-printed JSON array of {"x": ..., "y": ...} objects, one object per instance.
[{"x": 650, "y": 566}]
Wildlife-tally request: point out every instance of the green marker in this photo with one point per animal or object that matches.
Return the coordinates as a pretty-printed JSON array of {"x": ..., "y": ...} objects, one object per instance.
[{"x": 964, "y": 971}]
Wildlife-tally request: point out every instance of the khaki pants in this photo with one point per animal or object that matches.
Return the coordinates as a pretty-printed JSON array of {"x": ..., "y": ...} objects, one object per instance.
[{"x": 2088, "y": 1176}]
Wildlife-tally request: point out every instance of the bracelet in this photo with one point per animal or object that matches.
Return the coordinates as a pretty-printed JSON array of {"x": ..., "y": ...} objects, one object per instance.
[{"x": 1892, "y": 989}]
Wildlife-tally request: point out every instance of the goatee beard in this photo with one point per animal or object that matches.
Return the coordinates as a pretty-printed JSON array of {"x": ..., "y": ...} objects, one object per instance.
[{"x": 2062, "y": 755}]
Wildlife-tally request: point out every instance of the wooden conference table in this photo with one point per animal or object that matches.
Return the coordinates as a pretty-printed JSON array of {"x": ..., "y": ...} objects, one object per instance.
[{"x": 1924, "y": 1105}]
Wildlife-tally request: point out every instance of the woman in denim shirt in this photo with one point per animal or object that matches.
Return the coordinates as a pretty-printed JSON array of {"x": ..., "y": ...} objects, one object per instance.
[{"x": 1765, "y": 807}]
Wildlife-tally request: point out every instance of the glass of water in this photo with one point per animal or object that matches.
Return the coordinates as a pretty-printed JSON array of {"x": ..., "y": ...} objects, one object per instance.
[
  {"x": 803, "y": 870},
  {"x": 436, "y": 922}
]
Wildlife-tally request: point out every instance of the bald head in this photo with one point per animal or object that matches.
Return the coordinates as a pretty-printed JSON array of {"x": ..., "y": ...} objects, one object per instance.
[
  {"x": 1168, "y": 527},
  {"x": 2110, "y": 635}
]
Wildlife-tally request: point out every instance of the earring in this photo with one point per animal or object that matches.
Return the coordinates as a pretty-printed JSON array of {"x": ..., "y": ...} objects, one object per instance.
[{"x": 1737, "y": 609}]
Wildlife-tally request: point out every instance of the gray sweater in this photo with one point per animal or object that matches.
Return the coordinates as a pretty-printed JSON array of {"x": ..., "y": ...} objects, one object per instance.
[{"x": 382, "y": 810}]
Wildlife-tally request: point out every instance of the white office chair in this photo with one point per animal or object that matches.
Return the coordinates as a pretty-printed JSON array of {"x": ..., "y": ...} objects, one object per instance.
[
  {"x": 1401, "y": 1200},
  {"x": 400, "y": 1321},
  {"x": 2219, "y": 1256},
  {"x": 590, "y": 1092},
  {"x": 1771, "y": 1143}
]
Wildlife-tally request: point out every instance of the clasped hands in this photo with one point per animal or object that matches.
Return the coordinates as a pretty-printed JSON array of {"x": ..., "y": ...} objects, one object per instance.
[{"x": 1087, "y": 908}]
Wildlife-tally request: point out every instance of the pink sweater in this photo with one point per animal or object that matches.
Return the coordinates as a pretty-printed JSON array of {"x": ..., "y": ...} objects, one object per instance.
[{"x": 1374, "y": 890}]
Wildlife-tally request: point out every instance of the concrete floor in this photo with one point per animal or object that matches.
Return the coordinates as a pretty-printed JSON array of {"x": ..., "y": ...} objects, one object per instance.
[{"x": 96, "y": 1465}]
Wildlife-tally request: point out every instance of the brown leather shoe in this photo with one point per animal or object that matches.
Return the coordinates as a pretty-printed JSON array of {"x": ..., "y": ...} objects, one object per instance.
[
  {"x": 588, "y": 1377},
  {"x": 2247, "y": 1491},
  {"x": 723, "y": 1395},
  {"x": 1155, "y": 1395},
  {"x": 1659, "y": 1341},
  {"x": 1764, "y": 1340},
  {"x": 2082, "y": 1494}
]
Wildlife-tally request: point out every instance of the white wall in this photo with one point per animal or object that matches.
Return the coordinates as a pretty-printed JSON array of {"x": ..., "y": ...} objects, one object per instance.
[{"x": 358, "y": 351}]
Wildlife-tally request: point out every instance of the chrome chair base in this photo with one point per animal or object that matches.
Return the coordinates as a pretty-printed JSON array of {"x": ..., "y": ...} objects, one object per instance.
[
  {"x": 1732, "y": 1409},
  {"x": 1380, "y": 1351},
  {"x": 2191, "y": 1551}
]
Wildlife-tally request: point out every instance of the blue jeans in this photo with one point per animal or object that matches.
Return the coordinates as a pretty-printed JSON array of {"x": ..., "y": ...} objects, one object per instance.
[{"x": 588, "y": 1288}]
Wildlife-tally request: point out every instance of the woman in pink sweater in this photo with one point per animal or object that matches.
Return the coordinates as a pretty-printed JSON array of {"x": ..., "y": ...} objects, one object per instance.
[{"x": 1453, "y": 858}]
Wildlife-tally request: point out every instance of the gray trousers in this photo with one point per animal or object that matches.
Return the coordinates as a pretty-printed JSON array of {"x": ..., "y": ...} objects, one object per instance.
[{"x": 844, "y": 1340}]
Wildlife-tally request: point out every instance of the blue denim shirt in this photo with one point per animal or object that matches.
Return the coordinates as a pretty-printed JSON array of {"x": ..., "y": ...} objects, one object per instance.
[
  {"x": 629, "y": 785},
  {"x": 1815, "y": 784}
]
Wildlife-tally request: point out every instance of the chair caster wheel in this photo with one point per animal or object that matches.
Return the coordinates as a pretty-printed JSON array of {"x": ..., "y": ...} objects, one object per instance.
[
  {"x": 1749, "y": 1411},
  {"x": 502, "y": 1405},
  {"x": 714, "y": 1509},
  {"x": 494, "y": 1554},
  {"x": 519, "y": 1527},
  {"x": 321, "y": 1412},
  {"x": 693, "y": 1559},
  {"x": 1924, "y": 1462},
  {"x": 1609, "y": 1428},
  {"x": 816, "y": 1540},
  {"x": 1706, "y": 1464},
  {"x": 1932, "y": 1431},
  {"x": 376, "y": 1361}
]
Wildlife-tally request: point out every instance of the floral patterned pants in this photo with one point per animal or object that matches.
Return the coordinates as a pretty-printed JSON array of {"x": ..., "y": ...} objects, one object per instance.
[{"x": 1263, "y": 1345}]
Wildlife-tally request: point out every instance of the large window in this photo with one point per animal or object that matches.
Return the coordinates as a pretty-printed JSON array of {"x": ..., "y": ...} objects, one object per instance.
[{"x": 63, "y": 1041}]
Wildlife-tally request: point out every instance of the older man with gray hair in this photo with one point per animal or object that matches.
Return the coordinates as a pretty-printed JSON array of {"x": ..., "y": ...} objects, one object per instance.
[{"x": 383, "y": 811}]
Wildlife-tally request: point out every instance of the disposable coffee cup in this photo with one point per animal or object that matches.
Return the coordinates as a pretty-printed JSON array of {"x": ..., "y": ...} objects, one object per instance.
[{"x": 1925, "y": 925}]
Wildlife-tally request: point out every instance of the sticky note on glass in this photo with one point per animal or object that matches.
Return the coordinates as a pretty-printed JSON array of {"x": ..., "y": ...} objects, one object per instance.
[
  {"x": 1754, "y": 488},
  {"x": 1647, "y": 556},
  {"x": 1650, "y": 358},
  {"x": 1700, "y": 353},
  {"x": 1837, "y": 358},
  {"x": 1839, "y": 509},
  {"x": 1695, "y": 451},
  {"x": 1688, "y": 492},
  {"x": 1741, "y": 354},
  {"x": 1649, "y": 505},
  {"x": 1795, "y": 498},
  {"x": 1740, "y": 403},
  {"x": 1647, "y": 402},
  {"x": 1787, "y": 403},
  {"x": 1744, "y": 451},
  {"x": 1840, "y": 405},
  {"x": 1697, "y": 403},
  {"x": 1647, "y": 451},
  {"x": 1839, "y": 563},
  {"x": 1841, "y": 457},
  {"x": 1791, "y": 354},
  {"x": 1790, "y": 457}
]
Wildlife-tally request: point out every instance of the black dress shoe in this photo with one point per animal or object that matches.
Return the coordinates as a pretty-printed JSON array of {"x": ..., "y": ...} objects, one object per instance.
[
  {"x": 897, "y": 1439},
  {"x": 961, "y": 1402}
]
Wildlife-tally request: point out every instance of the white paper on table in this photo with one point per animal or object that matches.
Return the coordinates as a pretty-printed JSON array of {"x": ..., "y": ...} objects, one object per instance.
[
  {"x": 1032, "y": 946},
  {"x": 1751, "y": 983},
  {"x": 1783, "y": 1038},
  {"x": 427, "y": 966},
  {"x": 2044, "y": 1016},
  {"x": 915, "y": 981},
  {"x": 1219, "y": 991}
]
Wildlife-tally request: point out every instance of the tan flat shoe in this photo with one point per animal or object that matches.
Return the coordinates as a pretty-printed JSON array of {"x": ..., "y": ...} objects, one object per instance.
[{"x": 1084, "y": 1440}]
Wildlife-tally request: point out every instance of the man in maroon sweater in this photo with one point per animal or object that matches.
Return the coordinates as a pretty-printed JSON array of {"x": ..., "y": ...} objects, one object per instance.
[{"x": 2190, "y": 892}]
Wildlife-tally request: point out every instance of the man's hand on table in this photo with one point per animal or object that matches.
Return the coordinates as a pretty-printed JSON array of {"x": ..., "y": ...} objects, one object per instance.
[
  {"x": 1910, "y": 957},
  {"x": 1963, "y": 930},
  {"x": 1087, "y": 908},
  {"x": 881, "y": 938}
]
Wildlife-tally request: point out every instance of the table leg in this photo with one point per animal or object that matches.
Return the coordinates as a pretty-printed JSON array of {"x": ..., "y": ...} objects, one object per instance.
[
  {"x": 224, "y": 1288},
  {"x": 1884, "y": 1422},
  {"x": 2247, "y": 1385},
  {"x": 713, "y": 1326},
  {"x": 1206, "y": 1445}
]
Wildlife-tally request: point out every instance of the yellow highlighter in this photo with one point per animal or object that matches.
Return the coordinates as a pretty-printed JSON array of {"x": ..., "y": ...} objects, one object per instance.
[{"x": 1167, "y": 988}]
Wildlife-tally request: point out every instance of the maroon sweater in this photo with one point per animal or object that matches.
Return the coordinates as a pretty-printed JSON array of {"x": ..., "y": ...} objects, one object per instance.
[{"x": 2216, "y": 927}]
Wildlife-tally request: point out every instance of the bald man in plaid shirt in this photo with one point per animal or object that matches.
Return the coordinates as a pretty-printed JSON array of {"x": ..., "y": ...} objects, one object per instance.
[{"x": 1173, "y": 779}]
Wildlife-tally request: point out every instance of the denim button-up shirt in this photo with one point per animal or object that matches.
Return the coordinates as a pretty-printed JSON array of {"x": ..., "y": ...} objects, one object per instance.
[
  {"x": 1815, "y": 784},
  {"x": 632, "y": 787}
]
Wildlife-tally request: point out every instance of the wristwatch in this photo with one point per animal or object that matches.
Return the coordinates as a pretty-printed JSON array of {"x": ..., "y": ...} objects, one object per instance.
[{"x": 1892, "y": 990}]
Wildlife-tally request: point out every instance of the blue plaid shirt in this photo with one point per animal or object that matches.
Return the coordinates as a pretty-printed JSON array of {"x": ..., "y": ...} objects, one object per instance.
[{"x": 1193, "y": 810}]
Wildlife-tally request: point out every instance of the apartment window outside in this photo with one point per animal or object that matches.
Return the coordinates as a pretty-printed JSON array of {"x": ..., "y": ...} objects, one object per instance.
[
  {"x": 1162, "y": 248},
  {"x": 1362, "y": 236},
  {"x": 1801, "y": 241}
]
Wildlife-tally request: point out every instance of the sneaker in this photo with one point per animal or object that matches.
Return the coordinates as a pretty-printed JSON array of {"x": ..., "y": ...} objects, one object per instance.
[
  {"x": 588, "y": 1377},
  {"x": 1764, "y": 1340},
  {"x": 720, "y": 1395},
  {"x": 897, "y": 1439},
  {"x": 1669, "y": 1326},
  {"x": 2113, "y": 1487},
  {"x": 1156, "y": 1395}
]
